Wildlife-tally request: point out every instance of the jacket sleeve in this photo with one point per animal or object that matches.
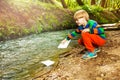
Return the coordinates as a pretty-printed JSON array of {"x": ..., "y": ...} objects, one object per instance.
[
  {"x": 99, "y": 30},
  {"x": 74, "y": 33},
  {"x": 96, "y": 30}
]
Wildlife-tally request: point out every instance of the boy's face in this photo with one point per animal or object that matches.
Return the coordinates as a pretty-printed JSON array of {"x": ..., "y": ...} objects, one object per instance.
[{"x": 81, "y": 21}]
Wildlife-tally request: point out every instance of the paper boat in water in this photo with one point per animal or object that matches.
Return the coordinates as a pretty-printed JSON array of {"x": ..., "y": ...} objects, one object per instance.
[
  {"x": 47, "y": 62},
  {"x": 64, "y": 45}
]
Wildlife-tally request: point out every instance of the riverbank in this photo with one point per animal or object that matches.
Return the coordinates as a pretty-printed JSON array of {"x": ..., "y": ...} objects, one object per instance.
[{"x": 104, "y": 67}]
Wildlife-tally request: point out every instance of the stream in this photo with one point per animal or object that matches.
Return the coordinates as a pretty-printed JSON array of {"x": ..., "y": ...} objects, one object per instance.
[{"x": 20, "y": 59}]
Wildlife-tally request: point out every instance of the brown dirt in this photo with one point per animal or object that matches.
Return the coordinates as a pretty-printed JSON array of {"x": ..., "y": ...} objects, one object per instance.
[{"x": 105, "y": 67}]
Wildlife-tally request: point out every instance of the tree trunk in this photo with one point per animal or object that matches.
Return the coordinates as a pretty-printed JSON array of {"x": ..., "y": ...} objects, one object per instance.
[
  {"x": 64, "y": 4},
  {"x": 93, "y": 2},
  {"x": 103, "y": 2},
  {"x": 80, "y": 2}
]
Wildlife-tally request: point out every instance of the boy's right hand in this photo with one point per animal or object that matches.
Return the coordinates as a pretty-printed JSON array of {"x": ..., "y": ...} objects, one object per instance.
[{"x": 64, "y": 41}]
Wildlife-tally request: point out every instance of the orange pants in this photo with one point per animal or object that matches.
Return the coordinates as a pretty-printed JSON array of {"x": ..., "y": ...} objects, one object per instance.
[{"x": 90, "y": 41}]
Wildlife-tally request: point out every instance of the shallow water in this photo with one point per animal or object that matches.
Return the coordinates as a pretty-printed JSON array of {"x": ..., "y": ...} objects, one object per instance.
[{"x": 20, "y": 59}]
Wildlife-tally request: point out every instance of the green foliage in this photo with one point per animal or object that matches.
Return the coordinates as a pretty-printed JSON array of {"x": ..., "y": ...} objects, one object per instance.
[
  {"x": 109, "y": 4},
  {"x": 32, "y": 30},
  {"x": 71, "y": 3},
  {"x": 10, "y": 30},
  {"x": 87, "y": 8},
  {"x": 92, "y": 9},
  {"x": 38, "y": 27},
  {"x": 25, "y": 31}
]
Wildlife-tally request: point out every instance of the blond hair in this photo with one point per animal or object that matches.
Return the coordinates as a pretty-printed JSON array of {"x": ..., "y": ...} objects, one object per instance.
[{"x": 81, "y": 14}]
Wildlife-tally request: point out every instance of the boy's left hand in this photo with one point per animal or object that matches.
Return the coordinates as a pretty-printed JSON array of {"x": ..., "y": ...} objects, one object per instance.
[{"x": 86, "y": 30}]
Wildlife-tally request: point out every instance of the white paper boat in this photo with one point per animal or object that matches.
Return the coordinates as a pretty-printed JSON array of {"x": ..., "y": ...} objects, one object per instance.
[
  {"x": 47, "y": 62},
  {"x": 64, "y": 45}
]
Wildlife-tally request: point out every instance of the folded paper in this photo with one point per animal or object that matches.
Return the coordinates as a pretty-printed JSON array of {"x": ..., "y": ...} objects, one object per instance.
[
  {"x": 47, "y": 62},
  {"x": 64, "y": 45}
]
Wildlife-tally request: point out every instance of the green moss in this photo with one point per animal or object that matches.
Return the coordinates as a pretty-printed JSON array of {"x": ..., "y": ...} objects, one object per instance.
[
  {"x": 100, "y": 18},
  {"x": 1, "y": 34},
  {"x": 109, "y": 16},
  {"x": 39, "y": 28},
  {"x": 51, "y": 20}
]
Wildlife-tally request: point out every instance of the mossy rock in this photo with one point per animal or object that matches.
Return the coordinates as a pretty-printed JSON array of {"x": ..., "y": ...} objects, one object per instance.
[
  {"x": 109, "y": 16},
  {"x": 104, "y": 17}
]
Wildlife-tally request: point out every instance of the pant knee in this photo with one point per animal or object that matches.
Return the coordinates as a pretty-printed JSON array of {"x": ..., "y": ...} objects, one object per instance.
[{"x": 84, "y": 34}]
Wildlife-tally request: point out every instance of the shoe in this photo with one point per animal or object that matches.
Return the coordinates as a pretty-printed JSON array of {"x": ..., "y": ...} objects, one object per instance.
[
  {"x": 83, "y": 51},
  {"x": 89, "y": 55},
  {"x": 97, "y": 49}
]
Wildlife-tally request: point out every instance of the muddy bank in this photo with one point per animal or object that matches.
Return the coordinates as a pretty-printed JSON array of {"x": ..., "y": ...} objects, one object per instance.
[{"x": 104, "y": 67}]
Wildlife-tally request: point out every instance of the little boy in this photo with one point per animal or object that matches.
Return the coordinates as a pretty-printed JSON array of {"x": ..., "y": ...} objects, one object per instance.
[{"x": 92, "y": 35}]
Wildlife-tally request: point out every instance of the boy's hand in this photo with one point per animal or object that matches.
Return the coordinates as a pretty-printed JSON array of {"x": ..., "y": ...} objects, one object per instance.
[
  {"x": 64, "y": 41},
  {"x": 86, "y": 30}
]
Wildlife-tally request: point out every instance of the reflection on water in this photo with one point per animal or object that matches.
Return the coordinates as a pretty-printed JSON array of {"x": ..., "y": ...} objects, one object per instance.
[{"x": 20, "y": 58}]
